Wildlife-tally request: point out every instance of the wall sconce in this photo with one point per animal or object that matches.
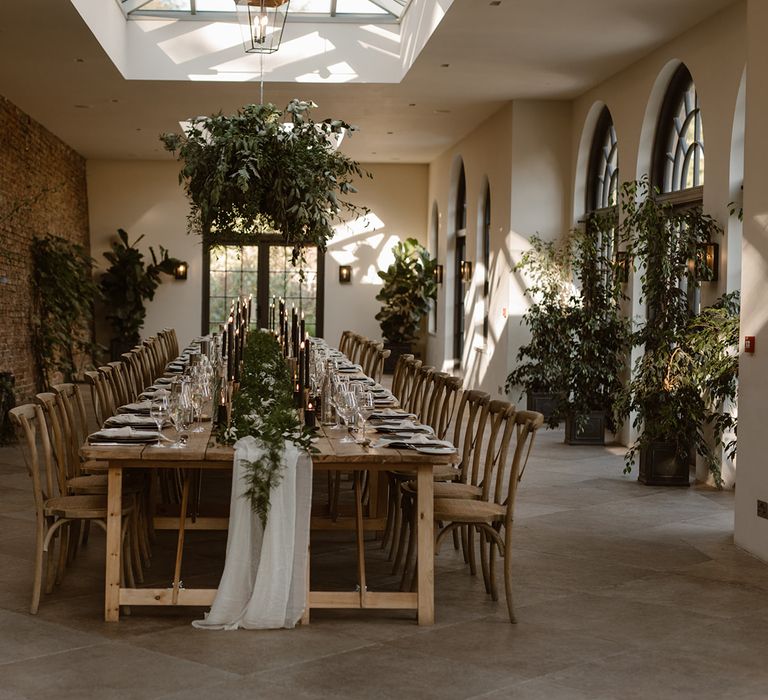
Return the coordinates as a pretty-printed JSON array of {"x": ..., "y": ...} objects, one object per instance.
[
  {"x": 466, "y": 270},
  {"x": 180, "y": 271},
  {"x": 621, "y": 266},
  {"x": 345, "y": 274},
  {"x": 439, "y": 274},
  {"x": 708, "y": 255}
]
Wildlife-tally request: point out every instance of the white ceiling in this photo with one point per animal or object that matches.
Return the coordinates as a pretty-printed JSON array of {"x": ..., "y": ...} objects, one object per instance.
[{"x": 53, "y": 68}]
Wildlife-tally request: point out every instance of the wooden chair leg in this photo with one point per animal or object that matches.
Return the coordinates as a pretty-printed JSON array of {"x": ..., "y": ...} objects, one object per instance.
[
  {"x": 471, "y": 551},
  {"x": 402, "y": 534},
  {"x": 37, "y": 584},
  {"x": 484, "y": 547},
  {"x": 456, "y": 541},
  {"x": 508, "y": 575},
  {"x": 50, "y": 569},
  {"x": 66, "y": 539},
  {"x": 465, "y": 542},
  {"x": 133, "y": 520},
  {"x": 492, "y": 570},
  {"x": 391, "y": 503},
  {"x": 409, "y": 564},
  {"x": 397, "y": 525}
]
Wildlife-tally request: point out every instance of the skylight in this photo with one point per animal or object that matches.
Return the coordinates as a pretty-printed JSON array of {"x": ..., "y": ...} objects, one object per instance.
[{"x": 315, "y": 10}]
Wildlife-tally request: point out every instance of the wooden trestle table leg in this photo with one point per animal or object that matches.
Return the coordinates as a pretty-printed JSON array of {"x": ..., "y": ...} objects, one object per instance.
[
  {"x": 426, "y": 544},
  {"x": 114, "y": 544}
]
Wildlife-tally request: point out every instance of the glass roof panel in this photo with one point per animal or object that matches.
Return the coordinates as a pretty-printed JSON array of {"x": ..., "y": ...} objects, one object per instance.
[{"x": 189, "y": 8}]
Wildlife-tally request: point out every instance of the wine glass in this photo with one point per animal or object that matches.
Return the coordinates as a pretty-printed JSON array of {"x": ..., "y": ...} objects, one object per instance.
[
  {"x": 177, "y": 412},
  {"x": 346, "y": 408},
  {"x": 158, "y": 412},
  {"x": 366, "y": 407}
]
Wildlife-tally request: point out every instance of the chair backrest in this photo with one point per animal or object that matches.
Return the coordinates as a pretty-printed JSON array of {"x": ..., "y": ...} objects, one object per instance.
[
  {"x": 60, "y": 437},
  {"x": 356, "y": 346},
  {"x": 399, "y": 375},
  {"x": 112, "y": 399},
  {"x": 410, "y": 371},
  {"x": 468, "y": 430},
  {"x": 494, "y": 450},
  {"x": 72, "y": 400},
  {"x": 527, "y": 423},
  {"x": 102, "y": 401},
  {"x": 345, "y": 342},
  {"x": 173, "y": 344},
  {"x": 443, "y": 403},
  {"x": 416, "y": 395},
  {"x": 119, "y": 383},
  {"x": 31, "y": 431},
  {"x": 377, "y": 363},
  {"x": 133, "y": 374}
]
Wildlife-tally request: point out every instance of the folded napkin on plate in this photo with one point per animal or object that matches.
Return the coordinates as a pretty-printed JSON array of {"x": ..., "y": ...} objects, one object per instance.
[
  {"x": 386, "y": 413},
  {"x": 140, "y": 407},
  {"x": 125, "y": 434},
  {"x": 164, "y": 380},
  {"x": 397, "y": 426},
  {"x": 156, "y": 394},
  {"x": 133, "y": 420},
  {"x": 412, "y": 442}
]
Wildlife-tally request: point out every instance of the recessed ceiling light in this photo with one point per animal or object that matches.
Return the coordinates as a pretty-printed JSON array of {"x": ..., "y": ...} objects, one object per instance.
[
  {"x": 79, "y": 60},
  {"x": 389, "y": 133},
  {"x": 115, "y": 100},
  {"x": 445, "y": 65},
  {"x": 442, "y": 111},
  {"x": 138, "y": 128},
  {"x": 411, "y": 104},
  {"x": 495, "y": 3},
  {"x": 82, "y": 106}
]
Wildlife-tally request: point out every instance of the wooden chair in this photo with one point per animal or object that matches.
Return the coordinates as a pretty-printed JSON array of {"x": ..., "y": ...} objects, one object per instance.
[
  {"x": 133, "y": 375},
  {"x": 493, "y": 513},
  {"x": 120, "y": 383},
  {"x": 345, "y": 342},
  {"x": 468, "y": 433},
  {"x": 414, "y": 401},
  {"x": 55, "y": 511}
]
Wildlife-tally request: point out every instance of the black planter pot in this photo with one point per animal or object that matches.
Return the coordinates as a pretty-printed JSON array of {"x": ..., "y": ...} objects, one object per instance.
[
  {"x": 397, "y": 350},
  {"x": 541, "y": 401},
  {"x": 117, "y": 347},
  {"x": 659, "y": 466},
  {"x": 592, "y": 432}
]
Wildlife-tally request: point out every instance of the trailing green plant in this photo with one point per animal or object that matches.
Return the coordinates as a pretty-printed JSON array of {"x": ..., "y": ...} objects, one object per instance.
[
  {"x": 543, "y": 362},
  {"x": 599, "y": 333},
  {"x": 263, "y": 407},
  {"x": 129, "y": 283},
  {"x": 64, "y": 293},
  {"x": 7, "y": 402},
  {"x": 665, "y": 392},
  {"x": 252, "y": 173},
  {"x": 409, "y": 287}
]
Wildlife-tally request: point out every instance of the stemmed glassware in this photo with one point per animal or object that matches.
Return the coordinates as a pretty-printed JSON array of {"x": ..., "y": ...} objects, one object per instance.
[
  {"x": 346, "y": 408},
  {"x": 366, "y": 407},
  {"x": 158, "y": 412}
]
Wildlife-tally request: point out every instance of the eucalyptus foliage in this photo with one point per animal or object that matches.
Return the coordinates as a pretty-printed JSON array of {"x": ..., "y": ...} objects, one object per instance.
[
  {"x": 409, "y": 287},
  {"x": 252, "y": 173},
  {"x": 129, "y": 283},
  {"x": 684, "y": 372},
  {"x": 64, "y": 293},
  {"x": 263, "y": 407}
]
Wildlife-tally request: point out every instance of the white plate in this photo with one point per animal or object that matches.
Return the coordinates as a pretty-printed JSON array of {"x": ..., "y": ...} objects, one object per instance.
[{"x": 435, "y": 450}]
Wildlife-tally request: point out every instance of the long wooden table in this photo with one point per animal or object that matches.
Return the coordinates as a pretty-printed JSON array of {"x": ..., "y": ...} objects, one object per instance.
[{"x": 201, "y": 452}]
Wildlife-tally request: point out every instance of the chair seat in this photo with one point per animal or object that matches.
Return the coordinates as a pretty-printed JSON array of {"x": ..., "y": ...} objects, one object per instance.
[
  {"x": 464, "y": 510},
  {"x": 94, "y": 466},
  {"x": 440, "y": 472},
  {"x": 77, "y": 507},
  {"x": 451, "y": 489},
  {"x": 92, "y": 484}
]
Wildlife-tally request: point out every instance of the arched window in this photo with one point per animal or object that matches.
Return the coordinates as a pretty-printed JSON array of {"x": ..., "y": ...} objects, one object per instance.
[
  {"x": 486, "y": 252},
  {"x": 603, "y": 177},
  {"x": 678, "y": 163},
  {"x": 459, "y": 268},
  {"x": 603, "y": 188}
]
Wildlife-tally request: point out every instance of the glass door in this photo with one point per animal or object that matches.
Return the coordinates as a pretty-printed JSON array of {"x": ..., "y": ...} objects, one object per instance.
[{"x": 264, "y": 270}]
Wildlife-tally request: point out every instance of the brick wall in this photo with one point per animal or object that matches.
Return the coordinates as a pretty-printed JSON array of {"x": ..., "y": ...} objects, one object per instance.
[{"x": 43, "y": 180}]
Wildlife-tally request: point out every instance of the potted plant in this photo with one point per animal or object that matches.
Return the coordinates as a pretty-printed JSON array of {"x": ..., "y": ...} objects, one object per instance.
[
  {"x": 64, "y": 292},
  {"x": 126, "y": 285},
  {"x": 409, "y": 287},
  {"x": 664, "y": 394},
  {"x": 543, "y": 362},
  {"x": 598, "y": 339},
  {"x": 253, "y": 172}
]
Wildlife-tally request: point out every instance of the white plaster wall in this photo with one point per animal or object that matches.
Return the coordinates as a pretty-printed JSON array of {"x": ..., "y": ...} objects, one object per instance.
[
  {"x": 523, "y": 152},
  {"x": 144, "y": 197},
  {"x": 396, "y": 197},
  {"x": 751, "y": 531}
]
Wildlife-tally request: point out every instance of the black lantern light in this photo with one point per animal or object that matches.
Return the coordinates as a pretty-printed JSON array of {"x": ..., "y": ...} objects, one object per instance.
[
  {"x": 345, "y": 274},
  {"x": 180, "y": 271},
  {"x": 262, "y": 23}
]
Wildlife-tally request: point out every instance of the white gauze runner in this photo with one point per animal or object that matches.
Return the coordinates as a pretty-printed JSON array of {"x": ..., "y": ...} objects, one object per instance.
[{"x": 264, "y": 584}]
